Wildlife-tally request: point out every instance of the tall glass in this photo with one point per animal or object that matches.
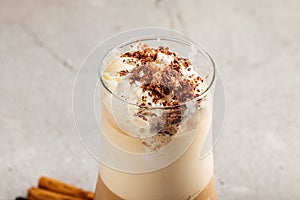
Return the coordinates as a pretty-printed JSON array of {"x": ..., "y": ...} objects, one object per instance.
[
  {"x": 157, "y": 166},
  {"x": 146, "y": 152}
]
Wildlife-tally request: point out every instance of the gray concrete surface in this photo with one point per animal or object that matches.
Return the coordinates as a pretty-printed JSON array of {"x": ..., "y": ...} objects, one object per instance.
[{"x": 255, "y": 43}]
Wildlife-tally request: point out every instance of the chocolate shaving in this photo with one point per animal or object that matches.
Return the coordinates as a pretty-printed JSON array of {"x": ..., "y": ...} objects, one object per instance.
[
  {"x": 123, "y": 72},
  {"x": 166, "y": 85}
]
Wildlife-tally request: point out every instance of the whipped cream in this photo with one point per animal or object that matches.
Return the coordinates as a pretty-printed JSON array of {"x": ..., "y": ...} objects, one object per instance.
[{"x": 146, "y": 78}]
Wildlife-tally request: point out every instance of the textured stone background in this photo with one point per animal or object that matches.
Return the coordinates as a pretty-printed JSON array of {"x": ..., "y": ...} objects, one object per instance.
[{"x": 256, "y": 43}]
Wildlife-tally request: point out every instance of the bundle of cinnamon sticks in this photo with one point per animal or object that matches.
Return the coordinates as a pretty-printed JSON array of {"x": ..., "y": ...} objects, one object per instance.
[{"x": 51, "y": 189}]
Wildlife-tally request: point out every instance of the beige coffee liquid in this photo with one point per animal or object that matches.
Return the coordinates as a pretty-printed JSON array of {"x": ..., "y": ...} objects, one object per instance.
[{"x": 189, "y": 177}]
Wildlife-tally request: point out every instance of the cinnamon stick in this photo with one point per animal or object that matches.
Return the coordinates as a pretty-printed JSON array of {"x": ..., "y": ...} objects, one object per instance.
[
  {"x": 41, "y": 194},
  {"x": 64, "y": 188}
]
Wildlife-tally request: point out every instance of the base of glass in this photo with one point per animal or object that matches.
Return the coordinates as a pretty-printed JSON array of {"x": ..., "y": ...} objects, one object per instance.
[{"x": 104, "y": 193}]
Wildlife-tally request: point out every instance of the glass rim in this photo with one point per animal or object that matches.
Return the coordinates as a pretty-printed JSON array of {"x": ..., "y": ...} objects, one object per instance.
[{"x": 185, "y": 41}]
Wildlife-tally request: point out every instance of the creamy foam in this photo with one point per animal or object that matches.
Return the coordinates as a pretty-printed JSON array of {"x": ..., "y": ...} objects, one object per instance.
[{"x": 167, "y": 77}]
